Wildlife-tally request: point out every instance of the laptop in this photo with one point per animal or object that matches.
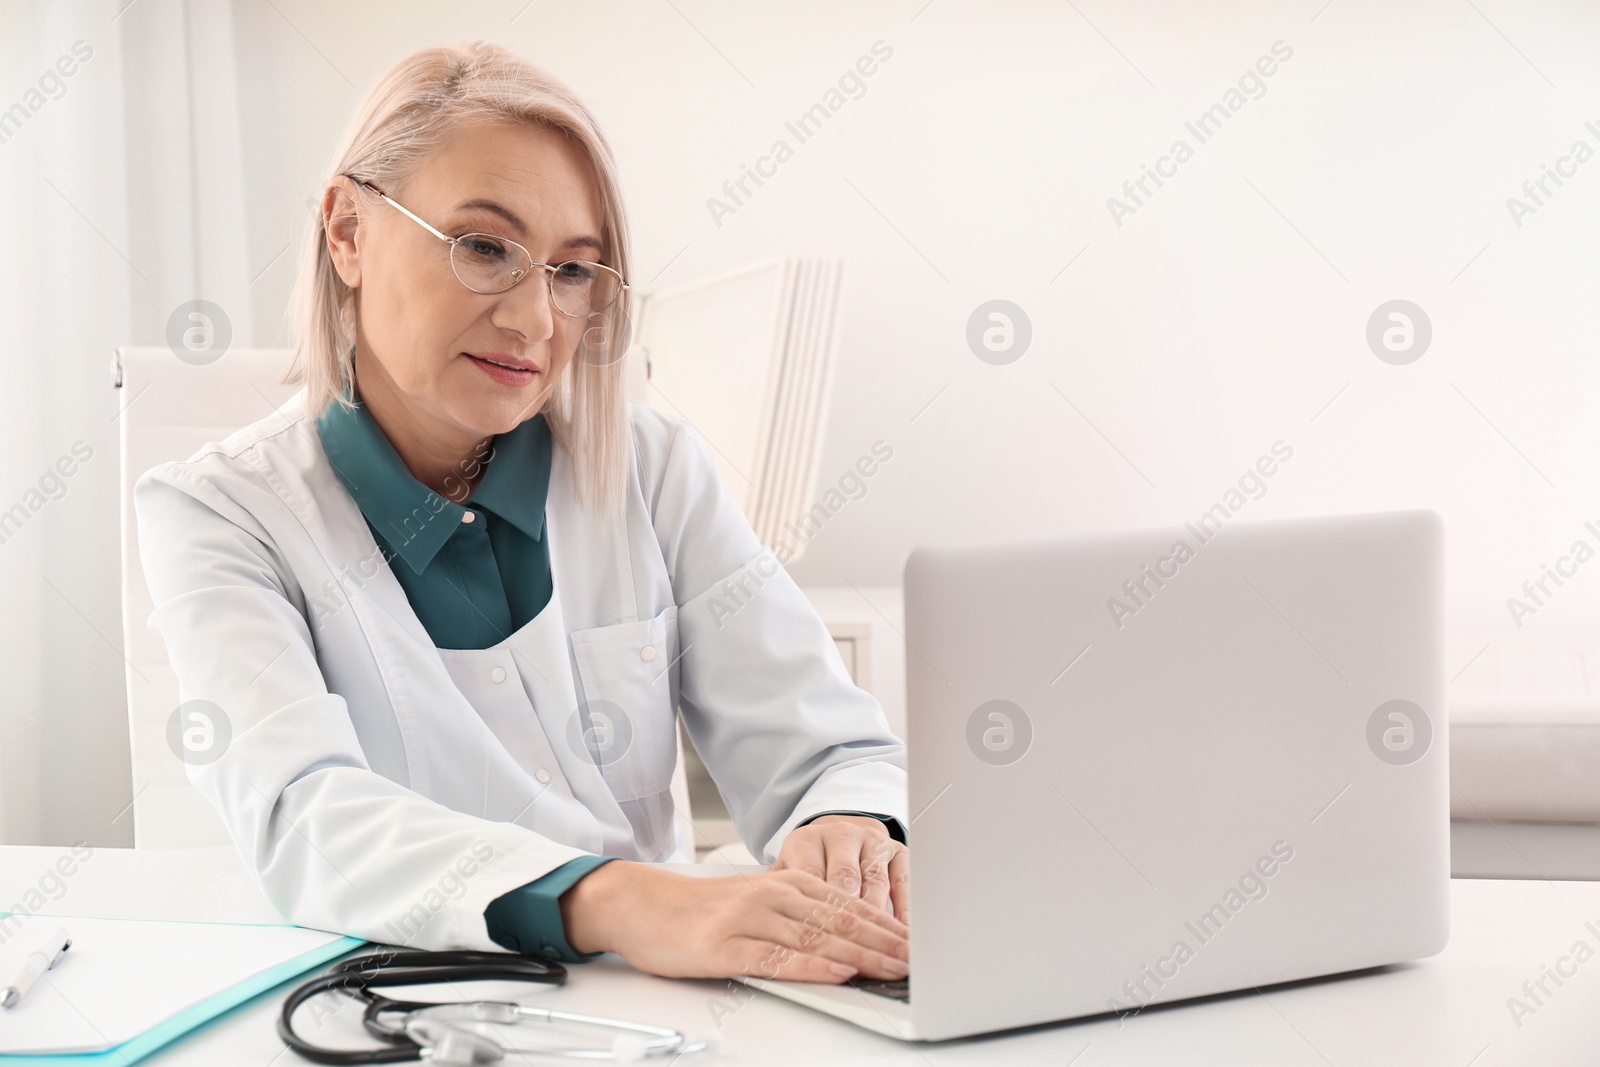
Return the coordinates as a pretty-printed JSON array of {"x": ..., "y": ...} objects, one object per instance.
[{"x": 1163, "y": 764}]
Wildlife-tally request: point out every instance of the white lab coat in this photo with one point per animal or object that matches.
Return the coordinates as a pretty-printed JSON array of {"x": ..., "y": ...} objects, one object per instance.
[{"x": 380, "y": 786}]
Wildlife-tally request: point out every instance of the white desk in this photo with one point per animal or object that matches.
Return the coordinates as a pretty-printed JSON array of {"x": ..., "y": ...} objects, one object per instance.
[{"x": 1448, "y": 1010}]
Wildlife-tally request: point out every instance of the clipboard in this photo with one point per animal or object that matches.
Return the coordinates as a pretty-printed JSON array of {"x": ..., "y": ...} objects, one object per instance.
[{"x": 128, "y": 987}]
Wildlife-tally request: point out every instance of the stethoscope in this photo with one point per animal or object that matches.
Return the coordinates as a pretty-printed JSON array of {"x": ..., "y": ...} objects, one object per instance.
[{"x": 441, "y": 1033}]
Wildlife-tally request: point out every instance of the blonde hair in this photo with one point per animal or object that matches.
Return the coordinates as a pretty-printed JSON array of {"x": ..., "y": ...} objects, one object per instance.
[{"x": 412, "y": 111}]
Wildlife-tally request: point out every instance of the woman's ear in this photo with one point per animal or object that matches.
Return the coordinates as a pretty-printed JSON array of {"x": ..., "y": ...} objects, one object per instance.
[{"x": 342, "y": 225}]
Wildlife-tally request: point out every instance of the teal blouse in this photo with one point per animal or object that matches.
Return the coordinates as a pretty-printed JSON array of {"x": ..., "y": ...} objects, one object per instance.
[
  {"x": 473, "y": 582},
  {"x": 475, "y": 573}
]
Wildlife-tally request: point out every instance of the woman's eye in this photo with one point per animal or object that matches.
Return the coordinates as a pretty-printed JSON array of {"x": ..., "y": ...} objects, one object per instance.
[
  {"x": 484, "y": 246},
  {"x": 578, "y": 271}
]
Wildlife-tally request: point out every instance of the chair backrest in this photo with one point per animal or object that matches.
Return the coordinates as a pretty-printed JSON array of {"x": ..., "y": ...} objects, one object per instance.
[{"x": 170, "y": 409}]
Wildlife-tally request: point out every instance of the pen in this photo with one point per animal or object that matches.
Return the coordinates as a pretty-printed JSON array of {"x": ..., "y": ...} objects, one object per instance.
[{"x": 52, "y": 943}]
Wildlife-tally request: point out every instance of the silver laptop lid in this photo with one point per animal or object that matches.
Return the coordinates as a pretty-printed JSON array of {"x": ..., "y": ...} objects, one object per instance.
[{"x": 1162, "y": 764}]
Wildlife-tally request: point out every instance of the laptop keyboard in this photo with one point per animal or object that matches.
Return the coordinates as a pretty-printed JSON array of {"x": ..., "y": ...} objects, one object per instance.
[{"x": 899, "y": 989}]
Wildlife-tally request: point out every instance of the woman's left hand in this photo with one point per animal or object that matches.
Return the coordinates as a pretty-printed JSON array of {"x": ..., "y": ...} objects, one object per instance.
[{"x": 855, "y": 855}]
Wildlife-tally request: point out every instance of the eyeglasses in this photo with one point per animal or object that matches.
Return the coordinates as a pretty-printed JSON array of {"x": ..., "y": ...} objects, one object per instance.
[{"x": 489, "y": 264}]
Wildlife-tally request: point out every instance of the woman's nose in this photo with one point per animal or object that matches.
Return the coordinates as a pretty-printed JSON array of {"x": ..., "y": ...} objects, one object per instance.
[{"x": 527, "y": 308}]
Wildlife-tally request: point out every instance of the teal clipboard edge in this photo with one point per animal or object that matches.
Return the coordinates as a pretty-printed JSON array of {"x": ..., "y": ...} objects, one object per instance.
[{"x": 163, "y": 1034}]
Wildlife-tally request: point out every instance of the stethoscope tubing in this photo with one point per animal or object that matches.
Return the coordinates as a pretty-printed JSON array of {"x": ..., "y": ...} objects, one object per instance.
[
  {"x": 662, "y": 1039},
  {"x": 358, "y": 975}
]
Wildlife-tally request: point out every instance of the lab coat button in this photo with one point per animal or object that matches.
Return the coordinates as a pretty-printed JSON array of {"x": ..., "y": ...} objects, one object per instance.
[
  {"x": 647, "y": 653},
  {"x": 469, "y": 516},
  {"x": 542, "y": 774},
  {"x": 498, "y": 674}
]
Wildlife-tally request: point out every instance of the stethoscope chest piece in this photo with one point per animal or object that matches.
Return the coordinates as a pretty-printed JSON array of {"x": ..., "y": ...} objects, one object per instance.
[{"x": 448, "y": 1045}]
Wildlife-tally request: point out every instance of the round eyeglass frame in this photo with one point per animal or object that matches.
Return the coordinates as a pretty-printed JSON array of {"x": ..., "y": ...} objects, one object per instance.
[{"x": 517, "y": 275}]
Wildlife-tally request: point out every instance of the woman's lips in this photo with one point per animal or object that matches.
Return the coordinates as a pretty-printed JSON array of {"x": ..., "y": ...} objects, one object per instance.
[{"x": 503, "y": 375}]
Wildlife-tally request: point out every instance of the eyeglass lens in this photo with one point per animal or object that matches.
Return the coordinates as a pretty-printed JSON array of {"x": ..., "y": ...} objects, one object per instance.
[{"x": 487, "y": 264}]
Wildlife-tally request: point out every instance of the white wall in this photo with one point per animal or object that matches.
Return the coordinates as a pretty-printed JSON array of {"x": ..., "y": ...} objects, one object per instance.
[{"x": 1222, "y": 316}]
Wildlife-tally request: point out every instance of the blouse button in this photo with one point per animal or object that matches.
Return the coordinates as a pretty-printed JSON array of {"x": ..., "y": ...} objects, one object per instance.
[
  {"x": 647, "y": 653},
  {"x": 469, "y": 516},
  {"x": 498, "y": 674},
  {"x": 542, "y": 774}
]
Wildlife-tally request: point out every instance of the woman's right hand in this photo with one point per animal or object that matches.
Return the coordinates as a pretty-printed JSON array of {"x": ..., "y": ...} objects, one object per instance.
[{"x": 783, "y": 924}]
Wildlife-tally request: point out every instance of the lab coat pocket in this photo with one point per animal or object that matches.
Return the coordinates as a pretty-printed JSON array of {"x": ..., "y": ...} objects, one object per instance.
[{"x": 626, "y": 721}]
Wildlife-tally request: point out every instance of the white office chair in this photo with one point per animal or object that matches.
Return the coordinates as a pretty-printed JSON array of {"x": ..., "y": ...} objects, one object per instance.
[{"x": 170, "y": 409}]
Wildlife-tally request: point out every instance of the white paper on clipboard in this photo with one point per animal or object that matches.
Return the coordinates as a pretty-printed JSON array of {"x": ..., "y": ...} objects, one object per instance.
[{"x": 122, "y": 977}]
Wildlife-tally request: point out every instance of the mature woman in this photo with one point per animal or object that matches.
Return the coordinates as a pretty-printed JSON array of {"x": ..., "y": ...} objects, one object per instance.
[{"x": 449, "y": 604}]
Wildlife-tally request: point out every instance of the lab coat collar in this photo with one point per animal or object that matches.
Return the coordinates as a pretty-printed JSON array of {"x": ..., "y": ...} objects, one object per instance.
[{"x": 399, "y": 507}]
